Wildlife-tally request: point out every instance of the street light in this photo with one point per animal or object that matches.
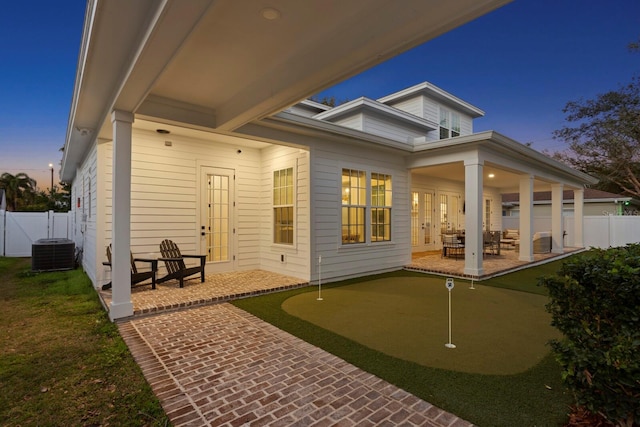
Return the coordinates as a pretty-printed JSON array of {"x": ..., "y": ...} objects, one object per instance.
[{"x": 51, "y": 167}]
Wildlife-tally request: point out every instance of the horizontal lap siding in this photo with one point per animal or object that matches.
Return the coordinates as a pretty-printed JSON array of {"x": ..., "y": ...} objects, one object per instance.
[
  {"x": 296, "y": 256},
  {"x": 413, "y": 106},
  {"x": 84, "y": 233},
  {"x": 390, "y": 129},
  {"x": 340, "y": 261},
  {"x": 466, "y": 124},
  {"x": 164, "y": 199}
]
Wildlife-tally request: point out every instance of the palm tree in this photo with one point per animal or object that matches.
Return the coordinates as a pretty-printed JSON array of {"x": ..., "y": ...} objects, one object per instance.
[{"x": 17, "y": 187}]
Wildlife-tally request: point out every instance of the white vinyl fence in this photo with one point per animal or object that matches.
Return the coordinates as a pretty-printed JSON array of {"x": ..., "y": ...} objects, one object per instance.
[
  {"x": 599, "y": 231},
  {"x": 18, "y": 230}
]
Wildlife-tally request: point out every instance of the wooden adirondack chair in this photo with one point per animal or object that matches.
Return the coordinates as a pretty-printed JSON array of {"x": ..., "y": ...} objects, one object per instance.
[
  {"x": 136, "y": 276},
  {"x": 176, "y": 267}
]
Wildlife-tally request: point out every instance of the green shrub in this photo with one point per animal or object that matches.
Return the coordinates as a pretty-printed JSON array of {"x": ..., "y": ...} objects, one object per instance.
[{"x": 595, "y": 303}]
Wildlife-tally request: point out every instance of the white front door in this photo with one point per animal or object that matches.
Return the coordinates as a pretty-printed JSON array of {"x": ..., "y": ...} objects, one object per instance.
[{"x": 217, "y": 228}]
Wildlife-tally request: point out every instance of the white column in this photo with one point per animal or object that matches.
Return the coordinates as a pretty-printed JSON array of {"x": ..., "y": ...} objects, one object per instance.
[
  {"x": 526, "y": 218},
  {"x": 578, "y": 218},
  {"x": 473, "y": 183},
  {"x": 103, "y": 275},
  {"x": 121, "y": 305},
  {"x": 557, "y": 227}
]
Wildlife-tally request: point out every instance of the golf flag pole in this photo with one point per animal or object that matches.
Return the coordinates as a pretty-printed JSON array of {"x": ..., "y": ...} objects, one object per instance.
[
  {"x": 449, "y": 284},
  {"x": 474, "y": 263},
  {"x": 320, "y": 278}
]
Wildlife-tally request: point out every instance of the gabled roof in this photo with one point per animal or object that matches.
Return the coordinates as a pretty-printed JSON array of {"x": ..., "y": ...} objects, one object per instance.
[
  {"x": 590, "y": 196},
  {"x": 367, "y": 104},
  {"x": 434, "y": 92}
]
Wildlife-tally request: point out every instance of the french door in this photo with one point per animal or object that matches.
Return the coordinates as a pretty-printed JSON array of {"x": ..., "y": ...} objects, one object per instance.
[
  {"x": 449, "y": 208},
  {"x": 217, "y": 230},
  {"x": 423, "y": 225}
]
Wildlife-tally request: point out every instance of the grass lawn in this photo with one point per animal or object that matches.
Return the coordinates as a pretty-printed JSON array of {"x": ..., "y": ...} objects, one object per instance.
[
  {"x": 62, "y": 362},
  {"x": 527, "y": 395}
]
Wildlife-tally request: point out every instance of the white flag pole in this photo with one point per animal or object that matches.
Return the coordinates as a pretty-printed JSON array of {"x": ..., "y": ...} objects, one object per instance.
[
  {"x": 320, "y": 278},
  {"x": 449, "y": 285}
]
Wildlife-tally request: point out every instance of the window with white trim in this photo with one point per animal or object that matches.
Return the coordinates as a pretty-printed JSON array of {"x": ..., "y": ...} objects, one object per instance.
[
  {"x": 283, "y": 206},
  {"x": 449, "y": 123},
  {"x": 356, "y": 222},
  {"x": 380, "y": 207},
  {"x": 354, "y": 206}
]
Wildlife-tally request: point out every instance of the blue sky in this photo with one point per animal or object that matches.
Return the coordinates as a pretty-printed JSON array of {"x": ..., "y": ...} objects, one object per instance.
[{"x": 520, "y": 64}]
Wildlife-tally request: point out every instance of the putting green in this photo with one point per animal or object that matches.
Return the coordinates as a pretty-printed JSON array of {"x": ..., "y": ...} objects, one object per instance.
[{"x": 495, "y": 331}]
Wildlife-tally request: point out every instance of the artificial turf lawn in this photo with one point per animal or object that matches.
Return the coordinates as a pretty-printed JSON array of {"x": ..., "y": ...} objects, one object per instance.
[
  {"x": 535, "y": 397},
  {"x": 496, "y": 331}
]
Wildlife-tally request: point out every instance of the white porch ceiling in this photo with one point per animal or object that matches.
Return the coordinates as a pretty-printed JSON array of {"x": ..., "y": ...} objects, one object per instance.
[
  {"x": 219, "y": 64},
  {"x": 505, "y": 180}
]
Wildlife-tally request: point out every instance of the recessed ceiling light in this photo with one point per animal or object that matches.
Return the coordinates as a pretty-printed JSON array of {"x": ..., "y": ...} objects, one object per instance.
[
  {"x": 270, "y": 14},
  {"x": 491, "y": 175},
  {"x": 163, "y": 131}
]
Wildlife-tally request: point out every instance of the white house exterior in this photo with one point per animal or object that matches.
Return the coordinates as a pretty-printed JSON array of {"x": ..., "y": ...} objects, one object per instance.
[{"x": 189, "y": 122}]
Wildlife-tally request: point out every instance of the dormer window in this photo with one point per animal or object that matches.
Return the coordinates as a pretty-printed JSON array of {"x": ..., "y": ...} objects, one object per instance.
[{"x": 449, "y": 124}]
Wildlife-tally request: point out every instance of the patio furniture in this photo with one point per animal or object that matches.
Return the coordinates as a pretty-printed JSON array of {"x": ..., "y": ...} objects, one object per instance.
[
  {"x": 509, "y": 238},
  {"x": 176, "y": 267},
  {"x": 137, "y": 277},
  {"x": 452, "y": 246},
  {"x": 491, "y": 242}
]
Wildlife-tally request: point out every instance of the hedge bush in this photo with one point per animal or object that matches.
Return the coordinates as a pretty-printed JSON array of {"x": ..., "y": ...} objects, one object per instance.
[{"x": 595, "y": 303}]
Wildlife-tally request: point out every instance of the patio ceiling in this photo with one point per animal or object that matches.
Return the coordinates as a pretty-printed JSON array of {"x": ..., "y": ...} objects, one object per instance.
[{"x": 220, "y": 64}]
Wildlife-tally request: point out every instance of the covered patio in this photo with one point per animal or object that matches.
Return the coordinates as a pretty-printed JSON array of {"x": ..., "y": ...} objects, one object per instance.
[
  {"x": 223, "y": 287},
  {"x": 217, "y": 288},
  {"x": 494, "y": 265}
]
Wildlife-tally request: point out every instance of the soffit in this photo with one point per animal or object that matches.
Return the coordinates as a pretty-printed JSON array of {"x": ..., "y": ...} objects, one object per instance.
[
  {"x": 242, "y": 67},
  {"x": 219, "y": 64}
]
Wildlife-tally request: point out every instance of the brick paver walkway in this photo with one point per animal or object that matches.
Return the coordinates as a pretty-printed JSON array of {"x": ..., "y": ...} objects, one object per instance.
[{"x": 218, "y": 365}]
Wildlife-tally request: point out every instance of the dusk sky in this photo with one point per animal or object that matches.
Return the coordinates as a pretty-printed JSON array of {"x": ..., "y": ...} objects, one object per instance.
[{"x": 520, "y": 64}]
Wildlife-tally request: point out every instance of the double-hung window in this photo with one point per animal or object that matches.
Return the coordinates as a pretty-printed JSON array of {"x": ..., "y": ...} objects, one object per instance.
[
  {"x": 380, "y": 207},
  {"x": 360, "y": 196},
  {"x": 354, "y": 206},
  {"x": 283, "y": 206}
]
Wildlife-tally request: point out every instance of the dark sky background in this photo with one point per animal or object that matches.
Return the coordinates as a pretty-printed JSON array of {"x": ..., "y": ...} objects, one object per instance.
[{"x": 520, "y": 64}]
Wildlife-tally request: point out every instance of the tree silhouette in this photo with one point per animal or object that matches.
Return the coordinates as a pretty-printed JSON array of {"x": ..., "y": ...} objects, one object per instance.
[{"x": 19, "y": 189}]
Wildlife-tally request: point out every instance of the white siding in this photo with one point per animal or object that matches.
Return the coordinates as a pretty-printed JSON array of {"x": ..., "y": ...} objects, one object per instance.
[
  {"x": 296, "y": 256},
  {"x": 390, "y": 129},
  {"x": 466, "y": 124},
  {"x": 84, "y": 216},
  {"x": 431, "y": 110},
  {"x": 165, "y": 203},
  {"x": 412, "y": 105},
  {"x": 164, "y": 199},
  {"x": 354, "y": 121},
  {"x": 343, "y": 261}
]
